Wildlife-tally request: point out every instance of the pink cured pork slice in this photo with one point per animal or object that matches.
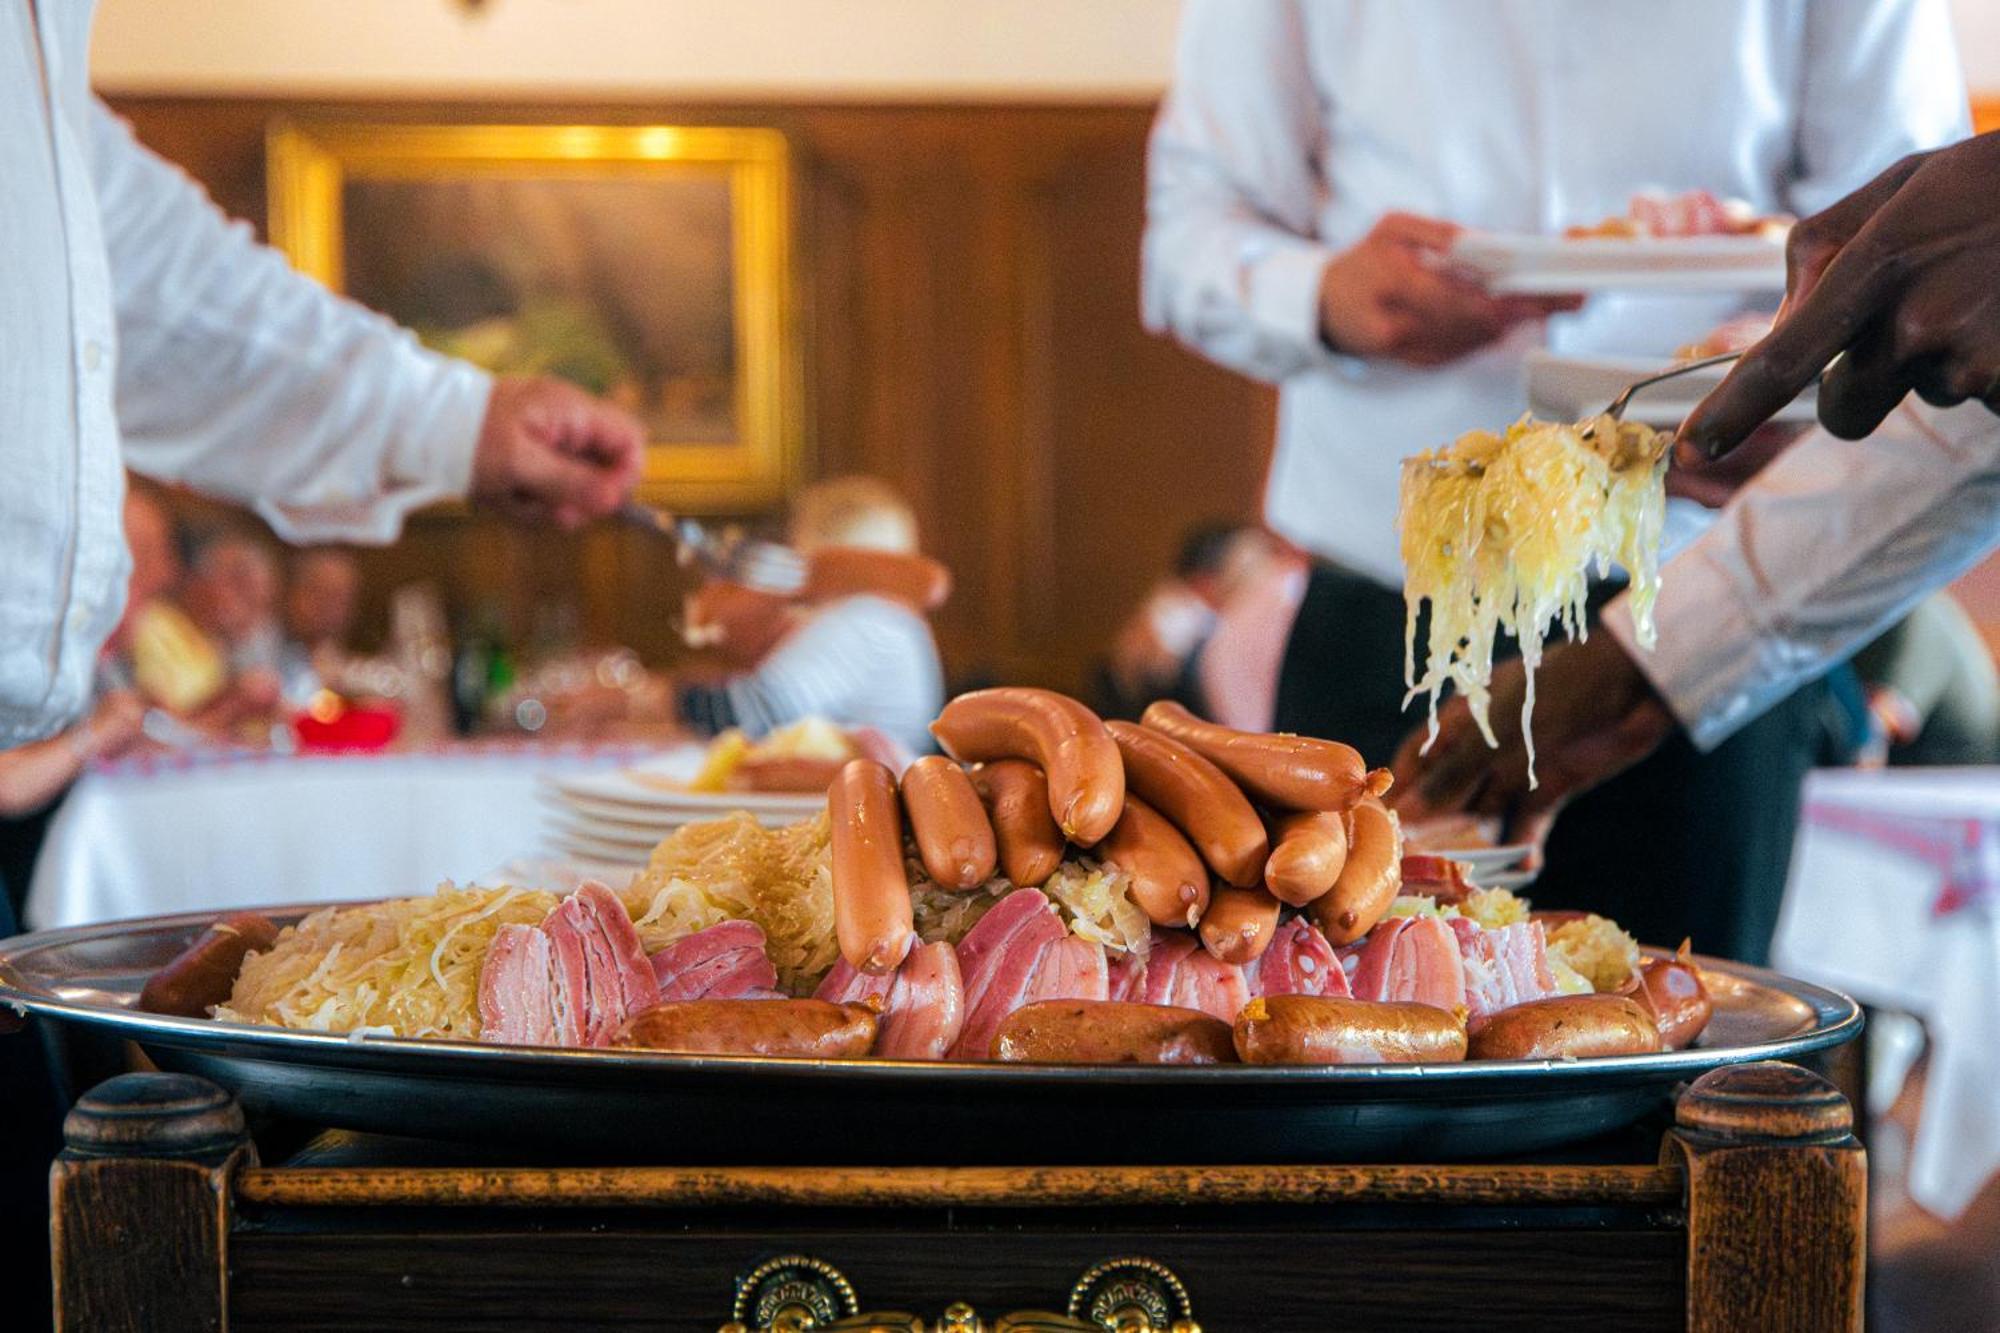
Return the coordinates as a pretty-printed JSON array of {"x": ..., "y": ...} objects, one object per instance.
[
  {"x": 1299, "y": 961},
  {"x": 923, "y": 1002},
  {"x": 1180, "y": 972},
  {"x": 1073, "y": 968},
  {"x": 1503, "y": 967},
  {"x": 724, "y": 962},
  {"x": 997, "y": 960},
  {"x": 1409, "y": 958},
  {"x": 516, "y": 1007},
  {"x": 601, "y": 973},
  {"x": 1125, "y": 978}
]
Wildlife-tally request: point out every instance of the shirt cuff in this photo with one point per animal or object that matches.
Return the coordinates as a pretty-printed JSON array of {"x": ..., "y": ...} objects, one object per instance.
[
  {"x": 1284, "y": 276},
  {"x": 437, "y": 443},
  {"x": 1709, "y": 655}
]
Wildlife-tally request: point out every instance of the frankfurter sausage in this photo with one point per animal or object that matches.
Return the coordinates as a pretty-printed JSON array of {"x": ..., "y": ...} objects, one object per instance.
[
  {"x": 1672, "y": 993},
  {"x": 809, "y": 1029},
  {"x": 1089, "y": 1032},
  {"x": 1169, "y": 882},
  {"x": 844, "y": 571},
  {"x": 954, "y": 837},
  {"x": 1308, "y": 851},
  {"x": 202, "y": 975},
  {"x": 1198, "y": 797},
  {"x": 1289, "y": 772},
  {"x": 1565, "y": 1028},
  {"x": 871, "y": 894},
  {"x": 1239, "y": 923},
  {"x": 1321, "y": 1030},
  {"x": 1085, "y": 775},
  {"x": 1016, "y": 796},
  {"x": 1369, "y": 879}
]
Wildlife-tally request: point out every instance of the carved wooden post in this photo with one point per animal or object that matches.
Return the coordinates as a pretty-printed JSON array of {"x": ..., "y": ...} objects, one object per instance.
[
  {"x": 1777, "y": 1201},
  {"x": 140, "y": 1200}
]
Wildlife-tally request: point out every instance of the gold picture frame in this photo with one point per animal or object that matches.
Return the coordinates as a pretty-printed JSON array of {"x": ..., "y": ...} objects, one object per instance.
[{"x": 726, "y": 410}]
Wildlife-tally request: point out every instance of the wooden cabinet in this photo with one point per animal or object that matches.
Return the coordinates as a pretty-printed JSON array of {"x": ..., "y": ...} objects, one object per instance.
[{"x": 1747, "y": 1213}]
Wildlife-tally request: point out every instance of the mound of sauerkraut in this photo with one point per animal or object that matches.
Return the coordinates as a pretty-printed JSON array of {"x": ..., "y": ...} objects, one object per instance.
[
  {"x": 1500, "y": 533},
  {"x": 408, "y": 967}
]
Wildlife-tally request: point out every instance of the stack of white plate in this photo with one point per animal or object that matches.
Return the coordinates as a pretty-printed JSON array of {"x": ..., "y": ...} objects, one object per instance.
[
  {"x": 1558, "y": 265},
  {"x": 617, "y": 818}
]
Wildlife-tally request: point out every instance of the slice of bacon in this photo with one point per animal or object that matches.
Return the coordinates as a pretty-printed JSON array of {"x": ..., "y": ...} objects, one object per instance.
[
  {"x": 997, "y": 960},
  {"x": 573, "y": 980},
  {"x": 922, "y": 1001},
  {"x": 1180, "y": 972},
  {"x": 1439, "y": 877},
  {"x": 1073, "y": 968},
  {"x": 1503, "y": 967},
  {"x": 1299, "y": 962},
  {"x": 1125, "y": 977},
  {"x": 516, "y": 1007},
  {"x": 724, "y": 962},
  {"x": 1409, "y": 958}
]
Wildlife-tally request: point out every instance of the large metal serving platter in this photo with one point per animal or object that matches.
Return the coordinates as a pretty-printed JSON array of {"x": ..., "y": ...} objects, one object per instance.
[{"x": 750, "y": 1109}]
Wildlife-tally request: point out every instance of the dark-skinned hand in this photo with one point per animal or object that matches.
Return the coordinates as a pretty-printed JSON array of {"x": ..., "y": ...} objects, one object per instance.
[
  {"x": 1901, "y": 280},
  {"x": 1596, "y": 714}
]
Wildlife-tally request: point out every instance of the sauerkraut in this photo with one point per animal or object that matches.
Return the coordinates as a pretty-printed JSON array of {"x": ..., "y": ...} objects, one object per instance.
[
  {"x": 1500, "y": 533},
  {"x": 408, "y": 967},
  {"x": 1597, "y": 948}
]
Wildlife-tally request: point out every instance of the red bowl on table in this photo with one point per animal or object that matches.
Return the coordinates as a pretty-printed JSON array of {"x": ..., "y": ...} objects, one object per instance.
[{"x": 347, "y": 727}]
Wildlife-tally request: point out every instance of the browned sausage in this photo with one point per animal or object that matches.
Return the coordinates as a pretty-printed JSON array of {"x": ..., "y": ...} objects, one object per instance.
[
  {"x": 1199, "y": 797},
  {"x": 1566, "y": 1027},
  {"x": 1307, "y": 854},
  {"x": 1672, "y": 993},
  {"x": 1089, "y": 1032},
  {"x": 1239, "y": 923},
  {"x": 843, "y": 571},
  {"x": 1025, "y": 833},
  {"x": 1086, "y": 776},
  {"x": 1288, "y": 772},
  {"x": 787, "y": 773},
  {"x": 871, "y": 894},
  {"x": 1323, "y": 1030},
  {"x": 1369, "y": 880},
  {"x": 954, "y": 838},
  {"x": 202, "y": 975},
  {"x": 1169, "y": 882},
  {"x": 810, "y": 1029}
]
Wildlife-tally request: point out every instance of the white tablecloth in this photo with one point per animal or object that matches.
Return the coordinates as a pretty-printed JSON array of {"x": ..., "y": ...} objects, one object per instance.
[
  {"x": 137, "y": 839},
  {"x": 1895, "y": 898}
]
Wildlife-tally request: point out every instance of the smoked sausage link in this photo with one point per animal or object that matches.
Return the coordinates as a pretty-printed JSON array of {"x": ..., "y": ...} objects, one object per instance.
[
  {"x": 1025, "y": 833},
  {"x": 202, "y": 975},
  {"x": 1369, "y": 879},
  {"x": 1282, "y": 771},
  {"x": 1308, "y": 852},
  {"x": 1568, "y": 1027},
  {"x": 1239, "y": 923},
  {"x": 1090, "y": 1032},
  {"x": 1068, "y": 741},
  {"x": 1198, "y": 797},
  {"x": 953, "y": 835},
  {"x": 1169, "y": 881},
  {"x": 808, "y": 1029},
  {"x": 1672, "y": 992},
  {"x": 872, "y": 919},
  {"x": 1324, "y": 1030}
]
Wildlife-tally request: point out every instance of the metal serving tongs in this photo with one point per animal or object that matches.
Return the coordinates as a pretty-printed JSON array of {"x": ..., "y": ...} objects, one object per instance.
[
  {"x": 1616, "y": 411},
  {"x": 767, "y": 566}
]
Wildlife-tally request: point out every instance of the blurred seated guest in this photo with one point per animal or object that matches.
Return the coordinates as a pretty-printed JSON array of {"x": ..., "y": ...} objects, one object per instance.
[
  {"x": 863, "y": 658},
  {"x": 1236, "y": 670},
  {"x": 1151, "y": 655},
  {"x": 319, "y": 607},
  {"x": 1932, "y": 687},
  {"x": 211, "y": 658}
]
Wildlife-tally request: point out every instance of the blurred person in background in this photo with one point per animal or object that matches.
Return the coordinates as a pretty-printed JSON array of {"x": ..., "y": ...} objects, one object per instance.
[
  {"x": 863, "y": 658},
  {"x": 1932, "y": 688},
  {"x": 322, "y": 594},
  {"x": 1152, "y": 655},
  {"x": 1308, "y": 174}
]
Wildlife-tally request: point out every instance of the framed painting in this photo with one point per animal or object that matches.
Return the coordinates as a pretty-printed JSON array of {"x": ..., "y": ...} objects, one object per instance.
[{"x": 648, "y": 263}]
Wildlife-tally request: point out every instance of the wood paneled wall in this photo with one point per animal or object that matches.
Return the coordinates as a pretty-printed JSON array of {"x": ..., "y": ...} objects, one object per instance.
[{"x": 969, "y": 280}]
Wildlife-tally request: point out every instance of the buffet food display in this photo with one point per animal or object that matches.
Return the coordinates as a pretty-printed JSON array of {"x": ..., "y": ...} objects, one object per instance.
[
  {"x": 1053, "y": 889},
  {"x": 1500, "y": 533},
  {"x": 1653, "y": 215}
]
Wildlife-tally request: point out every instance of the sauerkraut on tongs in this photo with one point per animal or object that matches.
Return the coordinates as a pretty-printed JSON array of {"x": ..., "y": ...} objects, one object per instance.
[{"x": 1501, "y": 533}]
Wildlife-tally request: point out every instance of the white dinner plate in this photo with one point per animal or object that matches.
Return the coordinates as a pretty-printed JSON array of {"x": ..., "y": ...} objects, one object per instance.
[
  {"x": 1555, "y": 265},
  {"x": 1505, "y": 879},
  {"x": 567, "y": 824},
  {"x": 662, "y": 820},
  {"x": 1482, "y": 861},
  {"x": 1570, "y": 388},
  {"x": 583, "y": 847}
]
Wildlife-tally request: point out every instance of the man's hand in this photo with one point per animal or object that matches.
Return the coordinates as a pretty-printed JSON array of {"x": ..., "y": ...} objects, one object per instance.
[
  {"x": 1595, "y": 715},
  {"x": 1898, "y": 280},
  {"x": 113, "y": 726},
  {"x": 1391, "y": 297},
  {"x": 548, "y": 451}
]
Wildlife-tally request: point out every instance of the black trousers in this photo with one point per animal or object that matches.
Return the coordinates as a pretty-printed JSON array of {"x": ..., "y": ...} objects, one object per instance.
[
  {"x": 33, "y": 1098},
  {"x": 1683, "y": 845}
]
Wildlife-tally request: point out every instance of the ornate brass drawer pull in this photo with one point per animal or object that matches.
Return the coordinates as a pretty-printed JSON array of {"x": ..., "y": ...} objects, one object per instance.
[{"x": 796, "y": 1293}]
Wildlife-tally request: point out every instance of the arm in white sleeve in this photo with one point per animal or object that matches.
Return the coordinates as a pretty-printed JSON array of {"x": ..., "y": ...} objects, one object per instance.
[
  {"x": 243, "y": 378},
  {"x": 1826, "y": 548},
  {"x": 1230, "y": 263},
  {"x": 1882, "y": 81},
  {"x": 851, "y": 661}
]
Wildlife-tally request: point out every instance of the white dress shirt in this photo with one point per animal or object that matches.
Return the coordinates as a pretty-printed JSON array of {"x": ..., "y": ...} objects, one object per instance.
[
  {"x": 1830, "y": 545},
  {"x": 1293, "y": 125},
  {"x": 139, "y": 325}
]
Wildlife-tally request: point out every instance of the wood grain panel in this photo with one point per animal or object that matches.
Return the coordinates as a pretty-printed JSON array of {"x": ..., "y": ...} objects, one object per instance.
[{"x": 969, "y": 292}]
